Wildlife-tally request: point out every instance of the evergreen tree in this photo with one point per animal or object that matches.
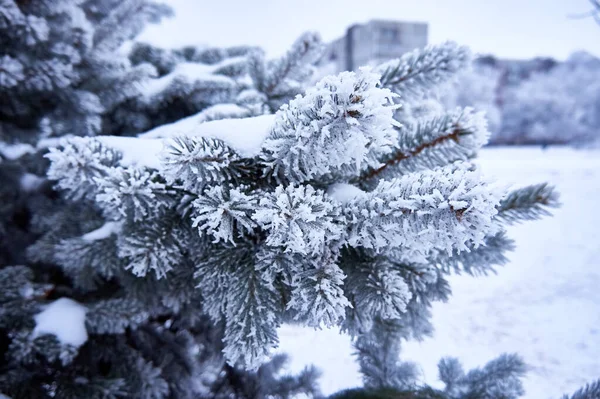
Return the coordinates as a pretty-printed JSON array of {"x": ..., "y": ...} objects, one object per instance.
[
  {"x": 40, "y": 283},
  {"x": 213, "y": 83},
  {"x": 60, "y": 69},
  {"x": 347, "y": 207},
  {"x": 60, "y": 72}
]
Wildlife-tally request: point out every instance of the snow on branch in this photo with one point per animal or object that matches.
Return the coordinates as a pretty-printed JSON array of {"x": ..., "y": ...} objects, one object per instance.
[
  {"x": 65, "y": 319},
  {"x": 15, "y": 151},
  {"x": 318, "y": 298},
  {"x": 243, "y": 135},
  {"x": 377, "y": 290},
  {"x": 152, "y": 245},
  {"x": 189, "y": 76},
  {"x": 222, "y": 213},
  {"x": 131, "y": 193},
  {"x": 108, "y": 229},
  {"x": 78, "y": 162}
]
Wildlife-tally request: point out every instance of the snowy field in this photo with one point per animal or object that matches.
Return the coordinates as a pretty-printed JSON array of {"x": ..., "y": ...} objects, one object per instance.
[{"x": 544, "y": 305}]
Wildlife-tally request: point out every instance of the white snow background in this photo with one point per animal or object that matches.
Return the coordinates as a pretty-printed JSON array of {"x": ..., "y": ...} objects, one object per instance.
[{"x": 544, "y": 305}]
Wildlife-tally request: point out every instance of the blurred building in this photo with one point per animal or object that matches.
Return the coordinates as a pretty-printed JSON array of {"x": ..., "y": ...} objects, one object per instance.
[{"x": 374, "y": 42}]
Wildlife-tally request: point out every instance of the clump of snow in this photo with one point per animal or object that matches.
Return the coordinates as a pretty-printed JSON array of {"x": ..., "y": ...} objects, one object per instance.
[
  {"x": 343, "y": 192},
  {"x": 27, "y": 291},
  {"x": 15, "y": 151},
  {"x": 103, "y": 232},
  {"x": 49, "y": 142},
  {"x": 135, "y": 152},
  {"x": 31, "y": 183},
  {"x": 65, "y": 319},
  {"x": 244, "y": 135},
  {"x": 223, "y": 111}
]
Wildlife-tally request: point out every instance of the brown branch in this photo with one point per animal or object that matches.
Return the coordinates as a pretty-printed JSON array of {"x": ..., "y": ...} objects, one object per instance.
[{"x": 400, "y": 156}]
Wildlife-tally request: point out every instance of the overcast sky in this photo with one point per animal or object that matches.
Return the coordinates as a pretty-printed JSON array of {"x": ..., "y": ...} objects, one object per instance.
[{"x": 507, "y": 28}]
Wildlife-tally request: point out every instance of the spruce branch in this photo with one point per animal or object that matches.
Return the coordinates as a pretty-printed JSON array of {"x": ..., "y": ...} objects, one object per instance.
[
  {"x": 215, "y": 268},
  {"x": 114, "y": 316},
  {"x": 304, "y": 50},
  {"x": 96, "y": 260},
  {"x": 443, "y": 209},
  {"x": 299, "y": 220},
  {"x": 455, "y": 136},
  {"x": 478, "y": 260},
  {"x": 344, "y": 122},
  {"x": 375, "y": 287},
  {"x": 317, "y": 298},
  {"x": 223, "y": 213},
  {"x": 125, "y": 21},
  {"x": 78, "y": 163},
  {"x": 451, "y": 372},
  {"x": 499, "y": 378},
  {"x": 153, "y": 245},
  {"x": 196, "y": 161},
  {"x": 418, "y": 72},
  {"x": 528, "y": 203},
  {"x": 253, "y": 314},
  {"x": 132, "y": 193},
  {"x": 278, "y": 80},
  {"x": 377, "y": 351},
  {"x": 589, "y": 391}
]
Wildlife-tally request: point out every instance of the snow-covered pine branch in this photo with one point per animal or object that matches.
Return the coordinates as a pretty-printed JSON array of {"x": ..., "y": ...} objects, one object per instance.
[
  {"x": 444, "y": 209},
  {"x": 528, "y": 203},
  {"x": 481, "y": 260},
  {"x": 421, "y": 71},
  {"x": 430, "y": 143},
  {"x": 253, "y": 314},
  {"x": 279, "y": 80},
  {"x": 200, "y": 160},
  {"x": 299, "y": 219},
  {"x": 269, "y": 219},
  {"x": 343, "y": 122},
  {"x": 223, "y": 213},
  {"x": 119, "y": 245},
  {"x": 589, "y": 391},
  {"x": 78, "y": 163}
]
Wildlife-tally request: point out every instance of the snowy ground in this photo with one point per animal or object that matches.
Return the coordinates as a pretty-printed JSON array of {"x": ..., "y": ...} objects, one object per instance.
[{"x": 544, "y": 305}]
